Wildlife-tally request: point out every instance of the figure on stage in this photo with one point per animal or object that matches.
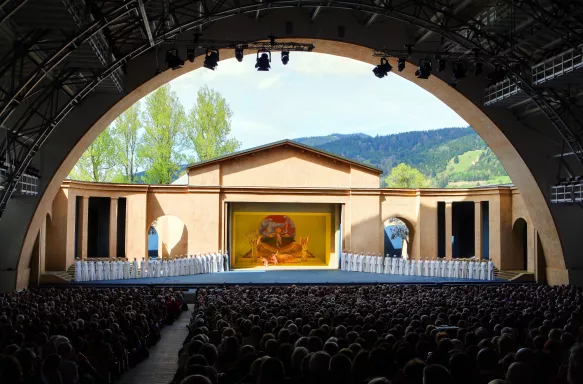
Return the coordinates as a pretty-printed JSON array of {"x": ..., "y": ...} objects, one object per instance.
[
  {"x": 274, "y": 259},
  {"x": 387, "y": 269},
  {"x": 265, "y": 262},
  {"x": 491, "y": 270},
  {"x": 92, "y": 270},
  {"x": 78, "y": 270}
]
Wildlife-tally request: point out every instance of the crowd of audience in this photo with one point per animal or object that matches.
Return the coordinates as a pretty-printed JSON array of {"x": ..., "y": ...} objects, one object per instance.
[
  {"x": 80, "y": 335},
  {"x": 519, "y": 334}
]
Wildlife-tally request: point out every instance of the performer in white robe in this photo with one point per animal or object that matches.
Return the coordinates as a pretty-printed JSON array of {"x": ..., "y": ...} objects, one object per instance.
[
  {"x": 400, "y": 265},
  {"x": 413, "y": 268},
  {"x": 78, "y": 270},
  {"x": 185, "y": 266},
  {"x": 455, "y": 269},
  {"x": 491, "y": 270},
  {"x": 197, "y": 264},
  {"x": 470, "y": 269},
  {"x": 426, "y": 267},
  {"x": 84, "y": 271},
  {"x": 348, "y": 261},
  {"x": 106, "y": 270},
  {"x": 387, "y": 265},
  {"x": 144, "y": 268},
  {"x": 380, "y": 263},
  {"x": 419, "y": 267},
  {"x": 406, "y": 262},
  {"x": 215, "y": 262},
  {"x": 126, "y": 269},
  {"x": 483, "y": 270},
  {"x": 464, "y": 268},
  {"x": 393, "y": 266},
  {"x": 99, "y": 270},
  {"x": 221, "y": 261},
  {"x": 432, "y": 268},
  {"x": 91, "y": 266},
  {"x": 477, "y": 270},
  {"x": 365, "y": 263},
  {"x": 354, "y": 266},
  {"x": 134, "y": 269}
]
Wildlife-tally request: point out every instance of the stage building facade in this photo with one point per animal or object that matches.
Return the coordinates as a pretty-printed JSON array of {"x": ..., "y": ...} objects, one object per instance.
[{"x": 284, "y": 203}]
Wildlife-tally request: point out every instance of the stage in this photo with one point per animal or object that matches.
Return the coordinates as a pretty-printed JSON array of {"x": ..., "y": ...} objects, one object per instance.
[{"x": 286, "y": 277}]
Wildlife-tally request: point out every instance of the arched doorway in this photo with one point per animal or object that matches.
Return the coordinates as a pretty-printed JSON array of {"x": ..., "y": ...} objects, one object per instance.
[
  {"x": 153, "y": 239},
  {"x": 396, "y": 235},
  {"x": 170, "y": 235},
  {"x": 520, "y": 244},
  {"x": 465, "y": 100}
]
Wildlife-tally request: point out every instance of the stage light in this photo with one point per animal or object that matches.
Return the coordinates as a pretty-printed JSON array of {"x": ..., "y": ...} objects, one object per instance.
[
  {"x": 239, "y": 54},
  {"x": 285, "y": 57},
  {"x": 191, "y": 54},
  {"x": 424, "y": 70},
  {"x": 459, "y": 70},
  {"x": 440, "y": 64},
  {"x": 382, "y": 69},
  {"x": 401, "y": 65},
  {"x": 211, "y": 60},
  {"x": 173, "y": 60},
  {"x": 478, "y": 68},
  {"x": 263, "y": 61}
]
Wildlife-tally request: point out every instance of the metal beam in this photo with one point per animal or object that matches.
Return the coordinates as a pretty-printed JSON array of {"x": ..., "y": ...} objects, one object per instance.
[
  {"x": 435, "y": 18},
  {"x": 315, "y": 13},
  {"x": 146, "y": 22}
]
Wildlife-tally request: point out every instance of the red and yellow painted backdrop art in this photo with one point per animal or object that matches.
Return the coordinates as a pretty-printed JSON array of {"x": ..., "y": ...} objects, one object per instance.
[{"x": 276, "y": 239}]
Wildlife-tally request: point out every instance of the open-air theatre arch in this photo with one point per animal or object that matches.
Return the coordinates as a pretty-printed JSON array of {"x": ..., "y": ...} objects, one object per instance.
[{"x": 71, "y": 67}]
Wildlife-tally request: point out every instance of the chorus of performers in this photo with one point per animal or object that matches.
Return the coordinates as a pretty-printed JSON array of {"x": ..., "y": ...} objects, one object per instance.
[
  {"x": 456, "y": 268},
  {"x": 94, "y": 270}
]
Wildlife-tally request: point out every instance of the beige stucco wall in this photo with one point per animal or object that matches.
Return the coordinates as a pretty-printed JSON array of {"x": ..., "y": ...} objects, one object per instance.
[{"x": 285, "y": 175}]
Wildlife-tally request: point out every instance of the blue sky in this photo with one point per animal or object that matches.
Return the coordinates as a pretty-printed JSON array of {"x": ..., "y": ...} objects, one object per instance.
[{"x": 314, "y": 95}]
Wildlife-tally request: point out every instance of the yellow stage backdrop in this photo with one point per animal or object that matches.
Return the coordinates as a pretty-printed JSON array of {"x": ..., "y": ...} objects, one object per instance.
[{"x": 295, "y": 238}]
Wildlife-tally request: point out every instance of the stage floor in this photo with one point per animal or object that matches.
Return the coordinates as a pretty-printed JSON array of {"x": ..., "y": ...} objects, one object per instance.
[{"x": 286, "y": 277}]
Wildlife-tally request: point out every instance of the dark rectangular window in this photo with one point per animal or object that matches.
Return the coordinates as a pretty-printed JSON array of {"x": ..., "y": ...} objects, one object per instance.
[
  {"x": 463, "y": 223},
  {"x": 121, "y": 227},
  {"x": 485, "y": 230},
  {"x": 98, "y": 227},
  {"x": 78, "y": 221},
  {"x": 440, "y": 229}
]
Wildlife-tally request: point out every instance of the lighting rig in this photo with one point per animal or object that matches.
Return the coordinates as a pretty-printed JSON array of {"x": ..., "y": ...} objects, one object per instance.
[
  {"x": 211, "y": 61},
  {"x": 428, "y": 61}
]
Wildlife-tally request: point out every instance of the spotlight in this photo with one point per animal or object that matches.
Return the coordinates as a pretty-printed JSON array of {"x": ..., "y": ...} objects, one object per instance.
[
  {"x": 424, "y": 70},
  {"x": 211, "y": 60},
  {"x": 459, "y": 70},
  {"x": 285, "y": 57},
  {"x": 173, "y": 60},
  {"x": 263, "y": 61},
  {"x": 440, "y": 64},
  {"x": 239, "y": 54},
  {"x": 382, "y": 69},
  {"x": 478, "y": 68},
  {"x": 401, "y": 65},
  {"x": 190, "y": 54}
]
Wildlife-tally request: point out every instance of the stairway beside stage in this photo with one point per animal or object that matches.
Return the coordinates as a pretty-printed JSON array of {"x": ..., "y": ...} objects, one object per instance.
[{"x": 515, "y": 276}]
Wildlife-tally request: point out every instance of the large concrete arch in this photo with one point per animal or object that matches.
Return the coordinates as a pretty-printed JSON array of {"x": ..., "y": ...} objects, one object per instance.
[{"x": 526, "y": 148}]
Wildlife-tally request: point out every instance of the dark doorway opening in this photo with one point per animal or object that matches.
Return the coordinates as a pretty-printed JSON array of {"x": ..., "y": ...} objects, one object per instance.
[
  {"x": 463, "y": 224},
  {"x": 121, "y": 227},
  {"x": 440, "y": 229},
  {"x": 98, "y": 227}
]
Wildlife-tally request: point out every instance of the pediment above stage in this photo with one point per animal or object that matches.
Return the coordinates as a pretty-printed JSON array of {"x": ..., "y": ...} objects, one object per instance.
[{"x": 284, "y": 164}]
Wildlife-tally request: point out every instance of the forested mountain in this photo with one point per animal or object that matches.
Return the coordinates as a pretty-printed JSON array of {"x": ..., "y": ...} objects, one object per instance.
[{"x": 448, "y": 157}]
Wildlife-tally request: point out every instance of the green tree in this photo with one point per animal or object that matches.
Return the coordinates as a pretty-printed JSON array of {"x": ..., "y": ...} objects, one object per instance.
[
  {"x": 456, "y": 159},
  {"x": 209, "y": 125},
  {"x": 163, "y": 138},
  {"x": 98, "y": 162},
  {"x": 126, "y": 133},
  {"x": 405, "y": 176}
]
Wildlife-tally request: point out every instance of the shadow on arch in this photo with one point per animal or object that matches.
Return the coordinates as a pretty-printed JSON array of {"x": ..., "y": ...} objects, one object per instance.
[{"x": 167, "y": 237}]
